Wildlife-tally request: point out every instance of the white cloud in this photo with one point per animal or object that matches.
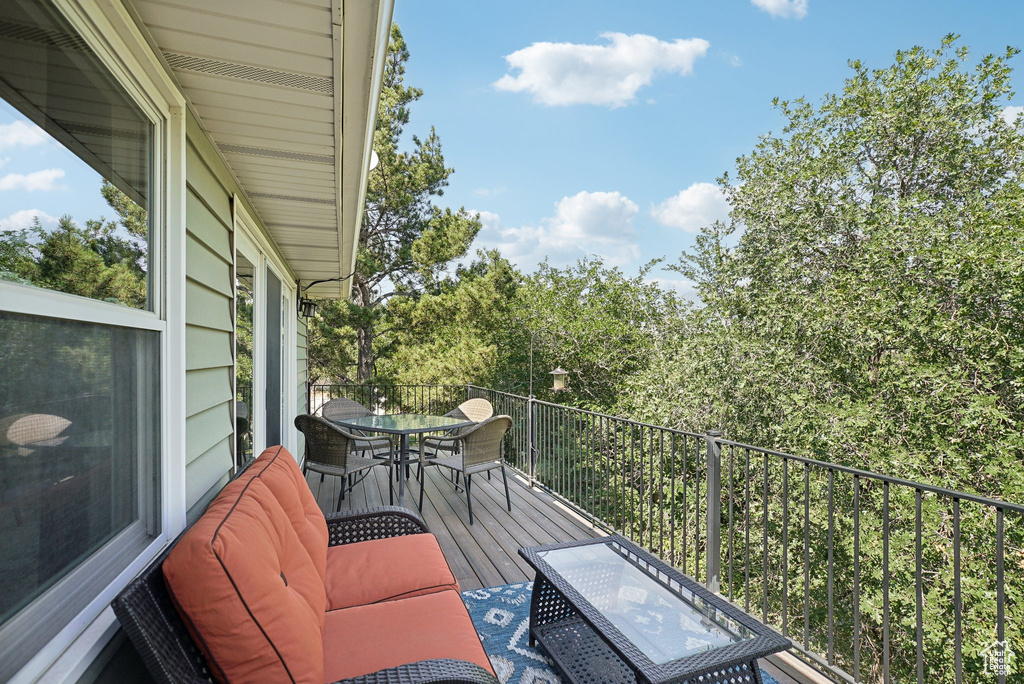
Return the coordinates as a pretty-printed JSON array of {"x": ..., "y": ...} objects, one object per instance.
[
  {"x": 787, "y": 9},
  {"x": 585, "y": 224},
  {"x": 736, "y": 61},
  {"x": 697, "y": 206},
  {"x": 20, "y": 220},
  {"x": 489, "y": 192},
  {"x": 1010, "y": 114},
  {"x": 21, "y": 133},
  {"x": 37, "y": 180},
  {"x": 610, "y": 75}
]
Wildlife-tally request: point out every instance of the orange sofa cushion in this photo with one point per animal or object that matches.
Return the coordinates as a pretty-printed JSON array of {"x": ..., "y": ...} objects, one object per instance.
[
  {"x": 248, "y": 589},
  {"x": 386, "y": 569},
  {"x": 365, "y": 639},
  {"x": 277, "y": 469}
]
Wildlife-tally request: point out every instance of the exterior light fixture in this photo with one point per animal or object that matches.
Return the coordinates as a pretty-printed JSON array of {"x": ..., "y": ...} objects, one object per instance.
[
  {"x": 558, "y": 378},
  {"x": 307, "y": 307}
]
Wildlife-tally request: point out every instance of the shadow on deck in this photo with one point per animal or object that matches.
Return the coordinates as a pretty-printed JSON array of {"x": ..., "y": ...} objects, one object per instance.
[{"x": 486, "y": 553}]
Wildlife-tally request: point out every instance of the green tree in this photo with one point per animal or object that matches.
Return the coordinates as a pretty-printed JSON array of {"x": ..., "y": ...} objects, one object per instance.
[
  {"x": 590, "y": 319},
  {"x": 864, "y": 305},
  {"x": 405, "y": 240},
  {"x": 102, "y": 260},
  {"x": 452, "y": 335}
]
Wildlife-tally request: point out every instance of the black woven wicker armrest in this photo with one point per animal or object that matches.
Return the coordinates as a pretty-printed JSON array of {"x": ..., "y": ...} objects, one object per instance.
[
  {"x": 428, "y": 672},
  {"x": 373, "y": 523}
]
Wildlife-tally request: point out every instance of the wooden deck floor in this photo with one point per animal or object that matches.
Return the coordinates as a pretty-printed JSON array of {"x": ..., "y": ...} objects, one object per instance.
[{"x": 484, "y": 554}]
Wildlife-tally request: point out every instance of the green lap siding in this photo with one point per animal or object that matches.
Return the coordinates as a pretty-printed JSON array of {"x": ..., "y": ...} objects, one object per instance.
[
  {"x": 209, "y": 323},
  {"x": 209, "y": 338}
]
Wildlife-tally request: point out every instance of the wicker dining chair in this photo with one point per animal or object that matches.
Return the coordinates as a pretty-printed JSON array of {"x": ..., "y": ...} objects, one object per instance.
[
  {"x": 342, "y": 408},
  {"x": 333, "y": 451},
  {"x": 475, "y": 449},
  {"x": 476, "y": 410}
]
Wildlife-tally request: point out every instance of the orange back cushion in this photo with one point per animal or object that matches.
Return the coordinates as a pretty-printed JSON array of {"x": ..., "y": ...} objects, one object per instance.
[
  {"x": 277, "y": 469},
  {"x": 248, "y": 590}
]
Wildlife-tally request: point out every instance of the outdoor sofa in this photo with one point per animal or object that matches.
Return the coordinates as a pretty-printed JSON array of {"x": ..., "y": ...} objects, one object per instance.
[{"x": 264, "y": 588}]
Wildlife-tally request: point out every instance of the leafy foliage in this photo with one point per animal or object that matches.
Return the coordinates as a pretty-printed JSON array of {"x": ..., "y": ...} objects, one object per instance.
[
  {"x": 869, "y": 313},
  {"x": 101, "y": 260}
]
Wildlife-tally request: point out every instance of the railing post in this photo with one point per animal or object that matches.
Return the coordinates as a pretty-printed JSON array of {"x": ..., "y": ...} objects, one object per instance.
[
  {"x": 531, "y": 448},
  {"x": 712, "y": 556}
]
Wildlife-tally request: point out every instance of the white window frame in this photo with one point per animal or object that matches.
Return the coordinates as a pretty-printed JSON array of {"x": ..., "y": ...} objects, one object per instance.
[
  {"x": 254, "y": 242},
  {"x": 108, "y": 28}
]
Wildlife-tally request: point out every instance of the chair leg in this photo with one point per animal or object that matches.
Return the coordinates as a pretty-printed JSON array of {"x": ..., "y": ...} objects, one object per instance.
[
  {"x": 457, "y": 474},
  {"x": 469, "y": 499},
  {"x": 341, "y": 495},
  {"x": 391, "y": 488},
  {"x": 488, "y": 475},
  {"x": 504, "y": 476},
  {"x": 422, "y": 477}
]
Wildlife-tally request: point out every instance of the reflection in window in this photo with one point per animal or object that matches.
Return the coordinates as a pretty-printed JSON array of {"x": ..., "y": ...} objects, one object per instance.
[
  {"x": 79, "y": 402},
  {"x": 74, "y": 165},
  {"x": 78, "y": 463},
  {"x": 244, "y": 289}
]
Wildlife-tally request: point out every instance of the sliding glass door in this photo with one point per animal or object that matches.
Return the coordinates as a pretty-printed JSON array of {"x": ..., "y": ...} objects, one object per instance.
[
  {"x": 274, "y": 329},
  {"x": 264, "y": 348}
]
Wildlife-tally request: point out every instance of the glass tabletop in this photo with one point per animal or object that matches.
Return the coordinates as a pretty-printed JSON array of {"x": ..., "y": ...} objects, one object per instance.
[
  {"x": 664, "y": 619},
  {"x": 398, "y": 423}
]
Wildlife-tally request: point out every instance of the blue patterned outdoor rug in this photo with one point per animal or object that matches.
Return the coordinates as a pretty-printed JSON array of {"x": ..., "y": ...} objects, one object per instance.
[{"x": 502, "y": 618}]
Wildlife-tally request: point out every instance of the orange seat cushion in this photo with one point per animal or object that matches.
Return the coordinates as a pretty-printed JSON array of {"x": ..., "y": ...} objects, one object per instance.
[
  {"x": 386, "y": 569},
  {"x": 365, "y": 639},
  {"x": 248, "y": 590}
]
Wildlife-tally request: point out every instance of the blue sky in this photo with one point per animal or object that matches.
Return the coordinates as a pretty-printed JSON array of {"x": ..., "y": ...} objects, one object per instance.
[
  {"x": 564, "y": 157},
  {"x": 40, "y": 177},
  {"x": 583, "y": 127}
]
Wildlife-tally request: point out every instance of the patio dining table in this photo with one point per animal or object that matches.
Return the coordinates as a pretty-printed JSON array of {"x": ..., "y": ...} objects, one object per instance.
[{"x": 403, "y": 425}]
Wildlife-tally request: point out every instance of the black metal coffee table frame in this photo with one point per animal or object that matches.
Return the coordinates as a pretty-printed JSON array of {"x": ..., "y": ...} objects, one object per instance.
[{"x": 588, "y": 649}]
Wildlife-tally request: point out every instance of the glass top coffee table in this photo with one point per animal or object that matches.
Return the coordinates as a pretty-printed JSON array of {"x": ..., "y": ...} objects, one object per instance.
[
  {"x": 403, "y": 425},
  {"x": 607, "y": 611}
]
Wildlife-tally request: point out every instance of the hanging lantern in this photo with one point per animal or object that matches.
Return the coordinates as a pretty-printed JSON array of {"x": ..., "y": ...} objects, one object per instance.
[
  {"x": 307, "y": 307},
  {"x": 558, "y": 378}
]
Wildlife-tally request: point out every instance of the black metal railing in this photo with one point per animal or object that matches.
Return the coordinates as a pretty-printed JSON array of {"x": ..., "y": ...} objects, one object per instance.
[
  {"x": 425, "y": 399},
  {"x": 873, "y": 577},
  {"x": 243, "y": 418}
]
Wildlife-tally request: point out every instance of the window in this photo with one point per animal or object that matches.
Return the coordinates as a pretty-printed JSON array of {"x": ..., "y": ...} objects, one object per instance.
[
  {"x": 245, "y": 410},
  {"x": 80, "y": 400}
]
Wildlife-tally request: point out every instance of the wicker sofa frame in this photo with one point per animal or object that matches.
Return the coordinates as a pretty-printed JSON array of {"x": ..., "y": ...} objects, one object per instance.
[{"x": 158, "y": 633}]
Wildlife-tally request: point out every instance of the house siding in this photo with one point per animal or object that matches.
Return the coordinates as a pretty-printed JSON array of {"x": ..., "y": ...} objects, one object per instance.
[{"x": 209, "y": 333}]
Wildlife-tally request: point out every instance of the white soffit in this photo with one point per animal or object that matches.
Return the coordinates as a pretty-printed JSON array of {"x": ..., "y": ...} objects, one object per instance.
[{"x": 288, "y": 91}]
